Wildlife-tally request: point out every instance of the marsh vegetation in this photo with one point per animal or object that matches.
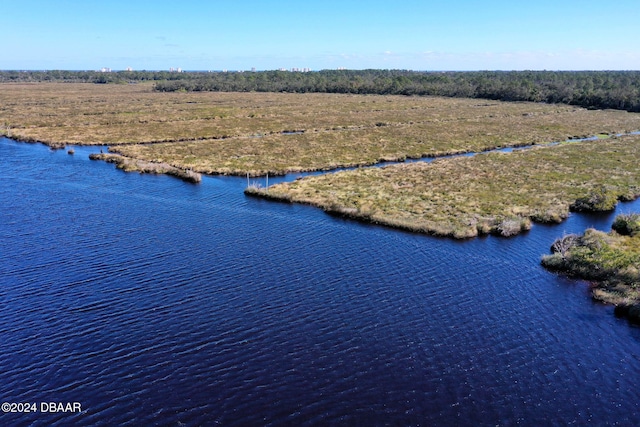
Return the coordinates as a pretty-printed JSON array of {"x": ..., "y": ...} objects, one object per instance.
[
  {"x": 259, "y": 133},
  {"x": 500, "y": 193}
]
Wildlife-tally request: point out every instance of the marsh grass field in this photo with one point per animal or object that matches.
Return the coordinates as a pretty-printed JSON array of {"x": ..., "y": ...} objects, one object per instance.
[
  {"x": 276, "y": 133},
  {"x": 461, "y": 197}
]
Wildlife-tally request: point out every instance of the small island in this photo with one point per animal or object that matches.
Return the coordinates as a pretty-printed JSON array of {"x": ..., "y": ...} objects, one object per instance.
[{"x": 611, "y": 261}]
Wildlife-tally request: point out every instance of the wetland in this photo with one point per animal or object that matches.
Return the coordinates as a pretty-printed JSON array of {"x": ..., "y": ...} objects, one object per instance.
[
  {"x": 347, "y": 322},
  {"x": 256, "y": 134}
]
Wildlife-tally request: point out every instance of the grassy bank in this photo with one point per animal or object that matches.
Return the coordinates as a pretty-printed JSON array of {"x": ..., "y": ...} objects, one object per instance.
[
  {"x": 135, "y": 165},
  {"x": 259, "y": 133},
  {"x": 610, "y": 260},
  {"x": 462, "y": 197}
]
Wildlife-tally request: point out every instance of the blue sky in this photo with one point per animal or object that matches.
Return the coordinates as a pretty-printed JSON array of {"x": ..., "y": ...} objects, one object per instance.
[{"x": 242, "y": 34}]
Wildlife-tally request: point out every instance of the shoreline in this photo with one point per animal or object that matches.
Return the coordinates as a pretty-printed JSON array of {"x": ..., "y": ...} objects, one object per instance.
[
  {"x": 334, "y": 167},
  {"x": 504, "y": 228},
  {"x": 465, "y": 197},
  {"x": 502, "y": 225}
]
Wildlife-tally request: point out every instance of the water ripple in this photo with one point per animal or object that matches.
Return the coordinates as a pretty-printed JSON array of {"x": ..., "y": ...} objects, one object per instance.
[{"x": 155, "y": 302}]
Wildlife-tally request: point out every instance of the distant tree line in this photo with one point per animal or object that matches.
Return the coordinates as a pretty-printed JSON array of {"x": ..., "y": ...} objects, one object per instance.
[
  {"x": 89, "y": 76},
  {"x": 591, "y": 89}
]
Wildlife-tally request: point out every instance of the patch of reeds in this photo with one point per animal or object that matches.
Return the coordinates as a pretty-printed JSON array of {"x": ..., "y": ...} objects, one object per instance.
[{"x": 135, "y": 165}]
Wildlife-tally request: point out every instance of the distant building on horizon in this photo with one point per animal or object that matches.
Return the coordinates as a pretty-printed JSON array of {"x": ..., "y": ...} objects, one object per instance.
[{"x": 296, "y": 70}]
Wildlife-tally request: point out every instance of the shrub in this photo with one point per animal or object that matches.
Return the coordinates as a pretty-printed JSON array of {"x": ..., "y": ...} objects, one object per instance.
[
  {"x": 512, "y": 226},
  {"x": 484, "y": 226},
  {"x": 631, "y": 193},
  {"x": 627, "y": 224},
  {"x": 634, "y": 313},
  {"x": 600, "y": 199},
  {"x": 630, "y": 311},
  {"x": 562, "y": 245},
  {"x": 554, "y": 214}
]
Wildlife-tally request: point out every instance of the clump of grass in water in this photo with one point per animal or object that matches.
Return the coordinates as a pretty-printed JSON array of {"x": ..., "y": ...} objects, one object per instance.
[{"x": 254, "y": 188}]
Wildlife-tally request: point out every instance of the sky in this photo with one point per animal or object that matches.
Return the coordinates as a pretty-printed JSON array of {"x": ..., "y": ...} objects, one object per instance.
[{"x": 244, "y": 34}]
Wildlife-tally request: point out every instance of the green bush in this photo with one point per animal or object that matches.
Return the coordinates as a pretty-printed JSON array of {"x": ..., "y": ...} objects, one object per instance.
[
  {"x": 627, "y": 224},
  {"x": 600, "y": 199}
]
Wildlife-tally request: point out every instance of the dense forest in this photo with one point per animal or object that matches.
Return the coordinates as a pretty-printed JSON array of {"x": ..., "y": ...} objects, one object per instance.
[{"x": 590, "y": 89}]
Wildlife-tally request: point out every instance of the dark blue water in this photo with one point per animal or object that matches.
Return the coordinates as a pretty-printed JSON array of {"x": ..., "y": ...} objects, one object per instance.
[{"x": 155, "y": 302}]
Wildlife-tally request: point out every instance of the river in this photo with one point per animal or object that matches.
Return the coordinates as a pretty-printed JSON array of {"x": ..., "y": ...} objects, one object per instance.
[{"x": 151, "y": 301}]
